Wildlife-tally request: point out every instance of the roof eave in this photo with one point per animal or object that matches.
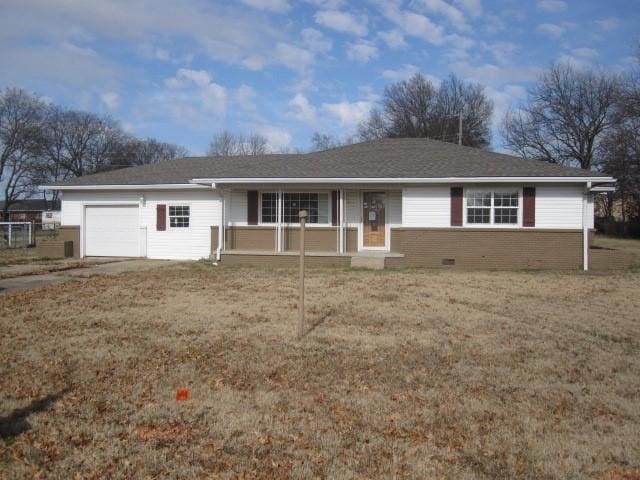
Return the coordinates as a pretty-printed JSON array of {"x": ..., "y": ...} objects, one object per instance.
[
  {"x": 380, "y": 180},
  {"x": 151, "y": 186}
]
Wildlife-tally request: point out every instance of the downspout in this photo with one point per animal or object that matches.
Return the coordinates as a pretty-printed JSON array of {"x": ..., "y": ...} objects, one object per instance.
[
  {"x": 221, "y": 226},
  {"x": 585, "y": 228}
]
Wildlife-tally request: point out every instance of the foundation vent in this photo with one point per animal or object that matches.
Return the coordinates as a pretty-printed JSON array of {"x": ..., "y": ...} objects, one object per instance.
[{"x": 448, "y": 261}]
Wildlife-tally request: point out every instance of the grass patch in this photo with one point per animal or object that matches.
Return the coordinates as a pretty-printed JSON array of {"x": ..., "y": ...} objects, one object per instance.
[{"x": 406, "y": 374}]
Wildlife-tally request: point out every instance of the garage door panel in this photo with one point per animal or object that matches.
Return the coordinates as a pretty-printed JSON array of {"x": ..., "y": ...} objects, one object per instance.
[{"x": 112, "y": 231}]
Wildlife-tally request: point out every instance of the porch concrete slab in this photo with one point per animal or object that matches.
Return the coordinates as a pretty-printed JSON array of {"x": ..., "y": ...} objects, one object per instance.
[{"x": 369, "y": 261}]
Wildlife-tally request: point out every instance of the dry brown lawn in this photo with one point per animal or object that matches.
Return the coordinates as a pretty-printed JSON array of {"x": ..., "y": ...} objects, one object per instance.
[{"x": 410, "y": 374}]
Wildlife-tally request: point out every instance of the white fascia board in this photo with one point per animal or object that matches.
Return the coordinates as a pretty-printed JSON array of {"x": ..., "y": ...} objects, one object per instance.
[
  {"x": 159, "y": 186},
  {"x": 603, "y": 188},
  {"x": 344, "y": 180}
]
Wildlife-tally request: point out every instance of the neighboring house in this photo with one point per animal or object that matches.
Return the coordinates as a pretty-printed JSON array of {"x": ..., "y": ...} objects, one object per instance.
[
  {"x": 31, "y": 210},
  {"x": 412, "y": 202}
]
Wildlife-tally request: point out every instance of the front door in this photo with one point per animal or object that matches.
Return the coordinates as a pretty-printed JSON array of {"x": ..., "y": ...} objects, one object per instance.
[{"x": 373, "y": 219}]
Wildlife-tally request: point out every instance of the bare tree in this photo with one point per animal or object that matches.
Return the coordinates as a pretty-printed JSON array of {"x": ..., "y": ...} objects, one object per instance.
[
  {"x": 135, "y": 151},
  {"x": 228, "y": 144},
  {"x": 619, "y": 151},
  {"x": 324, "y": 141},
  {"x": 21, "y": 117},
  {"x": 565, "y": 117},
  {"x": 417, "y": 108}
]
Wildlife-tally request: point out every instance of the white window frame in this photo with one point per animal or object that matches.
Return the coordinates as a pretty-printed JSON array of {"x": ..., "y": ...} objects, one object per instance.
[
  {"x": 491, "y": 223},
  {"x": 296, "y": 224},
  {"x": 169, "y": 215}
]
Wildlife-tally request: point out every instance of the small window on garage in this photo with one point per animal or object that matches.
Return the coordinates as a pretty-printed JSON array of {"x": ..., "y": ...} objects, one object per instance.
[{"x": 179, "y": 216}]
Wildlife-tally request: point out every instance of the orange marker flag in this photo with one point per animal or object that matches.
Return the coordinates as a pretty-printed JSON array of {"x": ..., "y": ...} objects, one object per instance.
[{"x": 183, "y": 394}]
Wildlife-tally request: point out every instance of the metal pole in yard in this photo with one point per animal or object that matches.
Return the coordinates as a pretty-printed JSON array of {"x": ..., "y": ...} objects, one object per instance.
[
  {"x": 9, "y": 234},
  {"x": 303, "y": 220}
]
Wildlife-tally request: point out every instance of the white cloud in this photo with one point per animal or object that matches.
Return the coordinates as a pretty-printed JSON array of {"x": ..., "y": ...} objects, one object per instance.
[
  {"x": 555, "y": 30},
  {"x": 77, "y": 73},
  {"x": 230, "y": 33},
  {"x": 451, "y": 13},
  {"x": 503, "y": 99},
  {"x": 192, "y": 95},
  {"x": 579, "y": 57},
  {"x": 362, "y": 51},
  {"x": 245, "y": 97},
  {"x": 301, "y": 109},
  {"x": 279, "y": 6},
  {"x": 293, "y": 57},
  {"x": 472, "y": 7},
  {"x": 552, "y": 5},
  {"x": 501, "y": 51},
  {"x": 349, "y": 114},
  {"x": 315, "y": 41},
  {"x": 414, "y": 24},
  {"x": 608, "y": 24},
  {"x": 111, "y": 100},
  {"x": 495, "y": 75},
  {"x": 342, "y": 22},
  {"x": 278, "y": 138},
  {"x": 459, "y": 46},
  {"x": 406, "y": 71},
  {"x": 393, "y": 38}
]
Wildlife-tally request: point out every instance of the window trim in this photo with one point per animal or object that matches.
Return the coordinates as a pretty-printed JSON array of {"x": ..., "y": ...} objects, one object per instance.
[
  {"x": 169, "y": 205},
  {"x": 491, "y": 223},
  {"x": 295, "y": 224}
]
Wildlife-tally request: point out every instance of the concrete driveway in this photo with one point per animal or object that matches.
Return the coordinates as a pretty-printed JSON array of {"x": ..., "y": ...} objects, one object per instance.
[{"x": 114, "y": 266}]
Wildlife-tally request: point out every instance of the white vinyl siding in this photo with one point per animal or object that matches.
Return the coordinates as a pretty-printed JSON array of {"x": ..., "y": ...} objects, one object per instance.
[
  {"x": 238, "y": 208},
  {"x": 560, "y": 207},
  {"x": 190, "y": 243},
  {"x": 557, "y": 206},
  {"x": 394, "y": 207},
  {"x": 426, "y": 207},
  {"x": 352, "y": 208}
]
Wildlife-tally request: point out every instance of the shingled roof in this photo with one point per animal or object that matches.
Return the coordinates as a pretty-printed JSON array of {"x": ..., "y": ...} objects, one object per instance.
[{"x": 386, "y": 158}]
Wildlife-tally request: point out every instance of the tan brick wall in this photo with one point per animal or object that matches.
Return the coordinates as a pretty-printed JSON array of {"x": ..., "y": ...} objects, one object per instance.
[
  {"x": 286, "y": 261},
  {"x": 316, "y": 239},
  {"x": 214, "y": 239},
  {"x": 70, "y": 233},
  {"x": 250, "y": 238},
  {"x": 351, "y": 243},
  {"x": 487, "y": 248},
  {"x": 50, "y": 248}
]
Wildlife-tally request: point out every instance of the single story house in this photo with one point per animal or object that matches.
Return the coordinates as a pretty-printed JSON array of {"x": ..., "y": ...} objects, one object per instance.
[
  {"x": 409, "y": 202},
  {"x": 29, "y": 210}
]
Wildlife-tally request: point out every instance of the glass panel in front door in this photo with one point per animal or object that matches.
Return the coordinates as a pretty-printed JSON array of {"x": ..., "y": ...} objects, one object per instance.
[{"x": 373, "y": 219}]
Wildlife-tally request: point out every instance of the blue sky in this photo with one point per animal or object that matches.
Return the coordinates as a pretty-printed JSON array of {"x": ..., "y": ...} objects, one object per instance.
[{"x": 180, "y": 70}]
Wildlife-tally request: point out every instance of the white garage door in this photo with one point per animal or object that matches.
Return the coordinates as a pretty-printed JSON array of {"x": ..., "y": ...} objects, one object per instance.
[{"x": 111, "y": 231}]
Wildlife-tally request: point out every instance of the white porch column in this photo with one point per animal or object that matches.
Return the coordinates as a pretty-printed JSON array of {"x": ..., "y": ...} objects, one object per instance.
[
  {"x": 585, "y": 227},
  {"x": 341, "y": 211},
  {"x": 221, "y": 226},
  {"x": 279, "y": 221}
]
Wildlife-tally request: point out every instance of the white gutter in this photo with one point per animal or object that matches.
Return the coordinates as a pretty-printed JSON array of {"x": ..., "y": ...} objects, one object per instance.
[
  {"x": 158, "y": 186},
  {"x": 585, "y": 228},
  {"x": 366, "y": 180}
]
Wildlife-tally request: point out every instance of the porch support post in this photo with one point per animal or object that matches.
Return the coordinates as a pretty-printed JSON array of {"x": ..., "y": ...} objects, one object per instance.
[
  {"x": 585, "y": 228},
  {"x": 341, "y": 230},
  {"x": 279, "y": 221},
  {"x": 221, "y": 229}
]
